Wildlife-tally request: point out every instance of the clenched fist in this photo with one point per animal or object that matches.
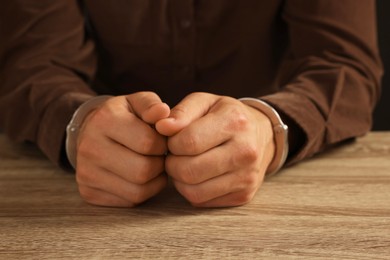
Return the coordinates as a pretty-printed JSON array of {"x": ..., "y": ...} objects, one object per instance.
[
  {"x": 219, "y": 149},
  {"x": 120, "y": 156}
]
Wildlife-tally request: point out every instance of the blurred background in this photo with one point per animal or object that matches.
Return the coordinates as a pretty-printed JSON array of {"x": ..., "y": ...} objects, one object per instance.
[{"x": 382, "y": 111}]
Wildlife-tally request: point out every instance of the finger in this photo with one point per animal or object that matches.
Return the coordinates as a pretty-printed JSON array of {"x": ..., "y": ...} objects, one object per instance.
[
  {"x": 148, "y": 106},
  {"x": 138, "y": 136},
  {"x": 219, "y": 186},
  {"x": 229, "y": 200},
  {"x": 116, "y": 123},
  {"x": 208, "y": 165},
  {"x": 226, "y": 119},
  {"x": 101, "y": 198},
  {"x": 99, "y": 178},
  {"x": 129, "y": 165},
  {"x": 191, "y": 108},
  {"x": 208, "y": 132}
]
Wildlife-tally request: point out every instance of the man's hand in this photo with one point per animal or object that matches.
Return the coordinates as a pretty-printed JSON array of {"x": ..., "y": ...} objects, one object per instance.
[
  {"x": 120, "y": 156},
  {"x": 219, "y": 149}
]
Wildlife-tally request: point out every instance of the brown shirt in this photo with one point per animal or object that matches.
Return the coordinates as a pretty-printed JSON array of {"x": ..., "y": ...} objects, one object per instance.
[{"x": 316, "y": 62}]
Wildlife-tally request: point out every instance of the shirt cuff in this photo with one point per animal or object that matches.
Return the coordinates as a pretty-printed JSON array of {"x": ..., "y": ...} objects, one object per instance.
[
  {"x": 51, "y": 133},
  {"x": 308, "y": 123}
]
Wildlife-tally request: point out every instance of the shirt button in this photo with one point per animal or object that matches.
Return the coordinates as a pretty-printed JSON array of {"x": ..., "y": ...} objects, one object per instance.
[{"x": 185, "y": 24}]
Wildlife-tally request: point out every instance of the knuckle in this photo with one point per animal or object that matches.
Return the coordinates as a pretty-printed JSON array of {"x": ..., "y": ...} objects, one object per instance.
[
  {"x": 193, "y": 195},
  {"x": 87, "y": 149},
  {"x": 146, "y": 98},
  {"x": 83, "y": 176},
  {"x": 143, "y": 175},
  {"x": 250, "y": 181},
  {"x": 107, "y": 113},
  {"x": 138, "y": 196},
  {"x": 250, "y": 153},
  {"x": 87, "y": 194},
  {"x": 182, "y": 171},
  {"x": 195, "y": 198},
  {"x": 147, "y": 143},
  {"x": 246, "y": 154},
  {"x": 244, "y": 197},
  {"x": 190, "y": 143},
  {"x": 149, "y": 168},
  {"x": 101, "y": 116},
  {"x": 188, "y": 174},
  {"x": 179, "y": 110},
  {"x": 239, "y": 121}
]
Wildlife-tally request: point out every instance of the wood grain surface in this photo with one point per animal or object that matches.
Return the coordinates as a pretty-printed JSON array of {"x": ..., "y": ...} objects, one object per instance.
[{"x": 333, "y": 206}]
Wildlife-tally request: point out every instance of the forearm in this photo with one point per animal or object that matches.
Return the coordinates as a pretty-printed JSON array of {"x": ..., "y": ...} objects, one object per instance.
[
  {"x": 330, "y": 78},
  {"x": 45, "y": 71}
]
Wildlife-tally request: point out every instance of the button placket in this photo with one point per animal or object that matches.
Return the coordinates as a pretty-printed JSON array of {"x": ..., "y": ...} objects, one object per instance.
[{"x": 183, "y": 40}]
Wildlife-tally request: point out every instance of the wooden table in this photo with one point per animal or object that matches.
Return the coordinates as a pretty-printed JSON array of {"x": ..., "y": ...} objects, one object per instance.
[{"x": 336, "y": 205}]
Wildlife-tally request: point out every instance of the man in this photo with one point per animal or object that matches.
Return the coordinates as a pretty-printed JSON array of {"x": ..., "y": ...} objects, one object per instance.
[{"x": 174, "y": 72}]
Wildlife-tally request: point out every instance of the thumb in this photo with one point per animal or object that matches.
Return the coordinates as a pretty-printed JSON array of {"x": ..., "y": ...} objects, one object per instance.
[
  {"x": 191, "y": 108},
  {"x": 148, "y": 106}
]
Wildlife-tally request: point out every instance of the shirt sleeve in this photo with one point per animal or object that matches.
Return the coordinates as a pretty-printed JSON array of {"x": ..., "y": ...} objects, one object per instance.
[
  {"x": 46, "y": 62},
  {"x": 330, "y": 78}
]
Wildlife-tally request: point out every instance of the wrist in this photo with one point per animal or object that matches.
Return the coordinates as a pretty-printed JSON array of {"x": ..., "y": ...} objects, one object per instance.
[
  {"x": 73, "y": 128},
  {"x": 280, "y": 131}
]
